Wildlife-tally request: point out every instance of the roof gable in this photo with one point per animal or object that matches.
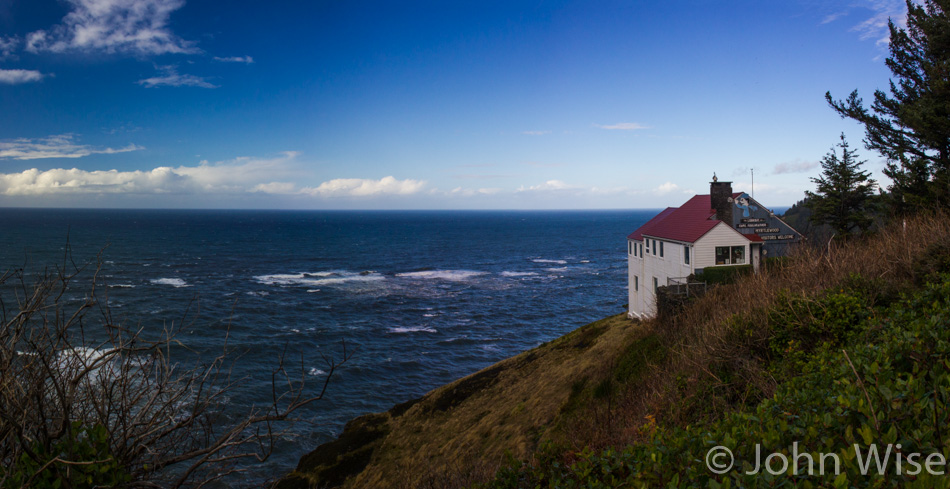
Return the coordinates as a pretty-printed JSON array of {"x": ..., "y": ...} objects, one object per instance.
[{"x": 686, "y": 223}]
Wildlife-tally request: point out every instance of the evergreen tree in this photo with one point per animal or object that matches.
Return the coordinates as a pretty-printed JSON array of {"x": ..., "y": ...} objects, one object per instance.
[
  {"x": 844, "y": 192},
  {"x": 911, "y": 125}
]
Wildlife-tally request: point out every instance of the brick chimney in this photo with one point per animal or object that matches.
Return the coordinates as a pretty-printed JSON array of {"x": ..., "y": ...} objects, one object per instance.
[{"x": 720, "y": 199}]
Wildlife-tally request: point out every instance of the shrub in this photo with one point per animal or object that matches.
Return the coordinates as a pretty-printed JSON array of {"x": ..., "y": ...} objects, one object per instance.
[
  {"x": 723, "y": 274},
  {"x": 888, "y": 389},
  {"x": 90, "y": 403}
]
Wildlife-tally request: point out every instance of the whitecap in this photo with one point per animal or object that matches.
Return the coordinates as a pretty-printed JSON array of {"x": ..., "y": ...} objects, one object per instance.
[
  {"x": 518, "y": 274},
  {"x": 122, "y": 286},
  {"x": 559, "y": 262},
  {"x": 319, "y": 278},
  {"x": 174, "y": 282},
  {"x": 412, "y": 329},
  {"x": 556, "y": 269},
  {"x": 258, "y": 293},
  {"x": 451, "y": 275},
  {"x": 316, "y": 372}
]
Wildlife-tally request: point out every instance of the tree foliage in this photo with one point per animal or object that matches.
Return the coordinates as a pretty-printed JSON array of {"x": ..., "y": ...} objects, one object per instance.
[
  {"x": 844, "y": 192},
  {"x": 910, "y": 125}
]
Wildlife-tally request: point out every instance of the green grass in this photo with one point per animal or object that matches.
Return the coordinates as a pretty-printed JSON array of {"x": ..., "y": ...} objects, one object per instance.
[{"x": 890, "y": 388}]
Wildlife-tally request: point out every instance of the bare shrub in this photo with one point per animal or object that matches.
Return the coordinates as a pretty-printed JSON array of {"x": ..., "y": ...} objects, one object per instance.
[{"x": 86, "y": 402}]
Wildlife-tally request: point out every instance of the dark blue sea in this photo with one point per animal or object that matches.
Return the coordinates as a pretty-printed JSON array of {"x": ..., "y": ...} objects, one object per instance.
[{"x": 423, "y": 297}]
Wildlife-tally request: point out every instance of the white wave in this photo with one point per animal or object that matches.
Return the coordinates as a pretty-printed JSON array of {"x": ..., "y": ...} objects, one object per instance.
[
  {"x": 556, "y": 269},
  {"x": 174, "y": 282},
  {"x": 518, "y": 274},
  {"x": 585, "y": 261},
  {"x": 429, "y": 315},
  {"x": 337, "y": 277},
  {"x": 313, "y": 290},
  {"x": 316, "y": 372},
  {"x": 122, "y": 286},
  {"x": 451, "y": 275},
  {"x": 413, "y": 329},
  {"x": 75, "y": 360},
  {"x": 258, "y": 293},
  {"x": 559, "y": 262}
]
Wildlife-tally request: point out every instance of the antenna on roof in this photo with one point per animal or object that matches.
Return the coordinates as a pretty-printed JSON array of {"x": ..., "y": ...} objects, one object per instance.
[{"x": 714, "y": 177}]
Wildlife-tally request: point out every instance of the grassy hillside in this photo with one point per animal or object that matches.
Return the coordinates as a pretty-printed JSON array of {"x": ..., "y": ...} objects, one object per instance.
[
  {"x": 623, "y": 404},
  {"x": 461, "y": 432}
]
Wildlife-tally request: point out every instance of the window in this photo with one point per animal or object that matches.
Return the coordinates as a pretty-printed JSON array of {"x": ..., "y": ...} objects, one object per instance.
[
  {"x": 730, "y": 255},
  {"x": 654, "y": 247},
  {"x": 686, "y": 254},
  {"x": 636, "y": 283},
  {"x": 647, "y": 241},
  {"x": 629, "y": 248},
  {"x": 661, "y": 249},
  {"x": 738, "y": 254},
  {"x": 641, "y": 249},
  {"x": 655, "y": 284}
]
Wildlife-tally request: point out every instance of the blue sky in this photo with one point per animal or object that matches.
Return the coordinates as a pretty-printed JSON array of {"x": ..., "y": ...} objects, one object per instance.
[{"x": 432, "y": 105}]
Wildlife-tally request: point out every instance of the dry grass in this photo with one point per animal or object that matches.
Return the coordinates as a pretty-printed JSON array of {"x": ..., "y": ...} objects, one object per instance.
[
  {"x": 461, "y": 432},
  {"x": 688, "y": 386},
  {"x": 611, "y": 383}
]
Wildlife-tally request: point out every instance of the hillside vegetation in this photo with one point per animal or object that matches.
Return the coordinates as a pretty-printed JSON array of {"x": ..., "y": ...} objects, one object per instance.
[{"x": 835, "y": 347}]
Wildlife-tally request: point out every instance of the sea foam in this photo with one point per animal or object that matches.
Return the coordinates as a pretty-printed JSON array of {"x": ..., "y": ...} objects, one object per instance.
[
  {"x": 412, "y": 329},
  {"x": 519, "y": 274},
  {"x": 451, "y": 275},
  {"x": 336, "y": 277},
  {"x": 174, "y": 282}
]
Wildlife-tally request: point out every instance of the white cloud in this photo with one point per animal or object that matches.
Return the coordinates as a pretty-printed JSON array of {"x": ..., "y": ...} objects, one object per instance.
[
  {"x": 832, "y": 17},
  {"x": 235, "y": 59},
  {"x": 623, "y": 126},
  {"x": 171, "y": 78},
  {"x": 235, "y": 176},
  {"x": 666, "y": 188},
  {"x": 363, "y": 187},
  {"x": 127, "y": 26},
  {"x": 238, "y": 177},
  {"x": 875, "y": 27},
  {"x": 471, "y": 192},
  {"x": 550, "y": 185},
  {"x": 15, "y": 77},
  {"x": 61, "y": 146},
  {"x": 796, "y": 166},
  {"x": 7, "y": 46},
  {"x": 279, "y": 188}
]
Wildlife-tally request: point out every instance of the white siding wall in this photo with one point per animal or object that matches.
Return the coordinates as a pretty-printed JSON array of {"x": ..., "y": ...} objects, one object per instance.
[
  {"x": 721, "y": 235},
  {"x": 634, "y": 269},
  {"x": 642, "y": 303}
]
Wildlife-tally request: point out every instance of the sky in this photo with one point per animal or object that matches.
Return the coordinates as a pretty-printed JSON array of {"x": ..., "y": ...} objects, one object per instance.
[{"x": 427, "y": 105}]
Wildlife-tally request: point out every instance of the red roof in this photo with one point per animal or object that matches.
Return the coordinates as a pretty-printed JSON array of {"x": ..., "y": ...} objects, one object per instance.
[{"x": 686, "y": 223}]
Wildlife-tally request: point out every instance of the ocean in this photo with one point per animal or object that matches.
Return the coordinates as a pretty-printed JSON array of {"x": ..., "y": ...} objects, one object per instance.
[{"x": 421, "y": 297}]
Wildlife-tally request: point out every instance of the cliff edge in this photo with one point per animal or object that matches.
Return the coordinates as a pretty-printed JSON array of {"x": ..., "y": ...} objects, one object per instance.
[{"x": 467, "y": 428}]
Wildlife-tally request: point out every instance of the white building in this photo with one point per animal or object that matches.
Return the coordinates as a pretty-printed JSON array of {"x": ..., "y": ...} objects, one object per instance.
[{"x": 719, "y": 229}]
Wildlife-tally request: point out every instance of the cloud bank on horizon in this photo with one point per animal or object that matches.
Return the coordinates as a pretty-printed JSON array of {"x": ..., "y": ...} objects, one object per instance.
[{"x": 637, "y": 153}]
